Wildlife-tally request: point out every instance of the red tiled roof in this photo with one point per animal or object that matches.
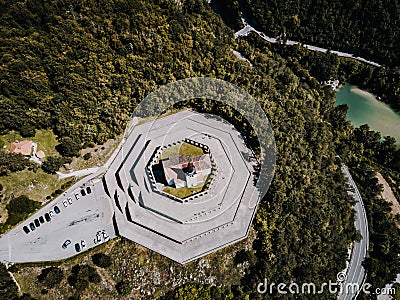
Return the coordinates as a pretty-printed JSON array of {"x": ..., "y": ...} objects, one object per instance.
[{"x": 23, "y": 147}]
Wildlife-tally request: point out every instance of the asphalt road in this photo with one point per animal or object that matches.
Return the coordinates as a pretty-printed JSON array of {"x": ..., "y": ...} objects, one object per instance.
[
  {"x": 356, "y": 272},
  {"x": 247, "y": 29}
]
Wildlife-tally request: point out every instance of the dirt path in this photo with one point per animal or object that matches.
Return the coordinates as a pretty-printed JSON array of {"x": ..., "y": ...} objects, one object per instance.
[
  {"x": 78, "y": 173},
  {"x": 15, "y": 280}
]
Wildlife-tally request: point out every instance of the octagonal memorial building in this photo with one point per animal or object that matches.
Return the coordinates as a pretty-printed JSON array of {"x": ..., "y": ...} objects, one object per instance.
[{"x": 182, "y": 185}]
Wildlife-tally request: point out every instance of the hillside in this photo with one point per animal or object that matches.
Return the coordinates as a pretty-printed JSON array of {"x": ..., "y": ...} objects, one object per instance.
[
  {"x": 365, "y": 28},
  {"x": 80, "y": 70}
]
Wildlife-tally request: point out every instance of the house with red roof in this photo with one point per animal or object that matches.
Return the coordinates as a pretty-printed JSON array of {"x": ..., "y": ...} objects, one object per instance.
[{"x": 22, "y": 147}]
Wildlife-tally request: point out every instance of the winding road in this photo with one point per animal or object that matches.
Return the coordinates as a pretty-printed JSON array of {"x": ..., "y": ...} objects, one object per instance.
[
  {"x": 248, "y": 28},
  {"x": 356, "y": 273}
]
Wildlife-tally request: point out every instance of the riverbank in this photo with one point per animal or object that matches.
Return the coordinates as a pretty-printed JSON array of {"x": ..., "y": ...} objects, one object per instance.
[
  {"x": 388, "y": 195},
  {"x": 364, "y": 108}
]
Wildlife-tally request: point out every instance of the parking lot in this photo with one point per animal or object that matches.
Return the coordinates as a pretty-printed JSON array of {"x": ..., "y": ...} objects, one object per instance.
[{"x": 78, "y": 220}]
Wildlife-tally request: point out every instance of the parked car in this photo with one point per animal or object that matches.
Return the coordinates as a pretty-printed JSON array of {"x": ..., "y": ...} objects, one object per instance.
[
  {"x": 41, "y": 219},
  {"x": 66, "y": 243},
  {"x": 69, "y": 200},
  {"x": 47, "y": 217},
  {"x": 77, "y": 196},
  {"x": 83, "y": 244},
  {"x": 65, "y": 203},
  {"x": 77, "y": 247},
  {"x": 98, "y": 238},
  {"x": 32, "y": 226},
  {"x": 56, "y": 210},
  {"x": 83, "y": 192},
  {"x": 26, "y": 229},
  {"x": 51, "y": 214},
  {"x": 88, "y": 190},
  {"x": 105, "y": 235},
  {"x": 37, "y": 223}
]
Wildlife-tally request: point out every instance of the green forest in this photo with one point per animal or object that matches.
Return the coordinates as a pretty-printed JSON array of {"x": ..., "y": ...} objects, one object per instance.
[
  {"x": 351, "y": 26},
  {"x": 80, "y": 69},
  {"x": 383, "y": 82},
  {"x": 365, "y": 28}
]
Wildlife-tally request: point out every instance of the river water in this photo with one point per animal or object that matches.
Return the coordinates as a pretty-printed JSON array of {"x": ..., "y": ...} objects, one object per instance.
[{"x": 364, "y": 108}]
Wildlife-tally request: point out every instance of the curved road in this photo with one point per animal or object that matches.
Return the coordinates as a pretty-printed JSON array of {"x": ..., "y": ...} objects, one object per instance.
[
  {"x": 247, "y": 29},
  {"x": 355, "y": 272}
]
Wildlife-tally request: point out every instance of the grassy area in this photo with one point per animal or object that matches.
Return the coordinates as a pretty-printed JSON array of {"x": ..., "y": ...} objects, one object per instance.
[
  {"x": 38, "y": 184},
  {"x": 184, "y": 149},
  {"x": 27, "y": 277},
  {"x": 99, "y": 154},
  {"x": 46, "y": 139},
  {"x": 34, "y": 185},
  {"x": 182, "y": 192}
]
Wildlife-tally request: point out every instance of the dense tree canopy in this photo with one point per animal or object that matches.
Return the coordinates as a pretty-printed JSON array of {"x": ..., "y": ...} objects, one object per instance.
[
  {"x": 383, "y": 82},
  {"x": 349, "y": 26},
  {"x": 81, "y": 69}
]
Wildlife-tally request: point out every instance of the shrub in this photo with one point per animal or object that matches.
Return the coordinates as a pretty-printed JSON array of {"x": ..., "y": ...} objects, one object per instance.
[
  {"x": 82, "y": 275},
  {"x": 11, "y": 162},
  {"x": 123, "y": 287},
  {"x": 51, "y": 276},
  {"x": 8, "y": 288},
  {"x": 243, "y": 256},
  {"x": 101, "y": 260},
  {"x": 19, "y": 208},
  {"x": 87, "y": 156},
  {"x": 52, "y": 164}
]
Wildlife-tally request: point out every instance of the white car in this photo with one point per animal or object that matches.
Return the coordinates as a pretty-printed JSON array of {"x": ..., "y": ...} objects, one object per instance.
[
  {"x": 98, "y": 238},
  {"x": 69, "y": 200},
  {"x": 83, "y": 244},
  {"x": 105, "y": 235},
  {"x": 77, "y": 196},
  {"x": 65, "y": 203},
  {"x": 51, "y": 214}
]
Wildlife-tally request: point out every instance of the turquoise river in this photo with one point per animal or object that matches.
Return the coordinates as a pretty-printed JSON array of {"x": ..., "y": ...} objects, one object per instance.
[{"x": 364, "y": 108}]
